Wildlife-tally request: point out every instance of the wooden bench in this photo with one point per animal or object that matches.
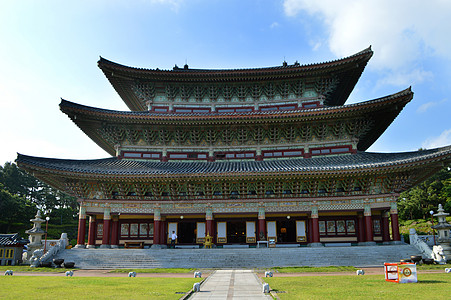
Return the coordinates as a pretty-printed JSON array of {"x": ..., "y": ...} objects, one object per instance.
[{"x": 135, "y": 245}]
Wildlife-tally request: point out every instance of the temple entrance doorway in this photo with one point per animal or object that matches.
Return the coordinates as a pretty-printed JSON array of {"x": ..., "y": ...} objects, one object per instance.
[
  {"x": 286, "y": 231},
  {"x": 186, "y": 232},
  {"x": 236, "y": 232}
]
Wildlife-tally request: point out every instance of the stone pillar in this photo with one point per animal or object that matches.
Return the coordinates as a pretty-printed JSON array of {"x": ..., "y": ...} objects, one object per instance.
[
  {"x": 81, "y": 227},
  {"x": 209, "y": 230},
  {"x": 368, "y": 224},
  {"x": 156, "y": 227},
  {"x": 315, "y": 242},
  {"x": 106, "y": 227},
  {"x": 394, "y": 223},
  {"x": 261, "y": 223},
  {"x": 386, "y": 227},
  {"x": 92, "y": 232},
  {"x": 115, "y": 232}
]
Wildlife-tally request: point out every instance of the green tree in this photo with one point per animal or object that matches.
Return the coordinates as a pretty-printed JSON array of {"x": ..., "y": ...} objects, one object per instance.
[
  {"x": 416, "y": 202},
  {"x": 13, "y": 210}
]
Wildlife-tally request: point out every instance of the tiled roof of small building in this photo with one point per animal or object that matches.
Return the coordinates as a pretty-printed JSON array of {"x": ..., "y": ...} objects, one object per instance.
[
  {"x": 126, "y": 167},
  {"x": 11, "y": 239}
]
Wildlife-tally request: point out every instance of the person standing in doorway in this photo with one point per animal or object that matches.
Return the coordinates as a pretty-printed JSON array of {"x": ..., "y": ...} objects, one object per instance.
[{"x": 173, "y": 238}]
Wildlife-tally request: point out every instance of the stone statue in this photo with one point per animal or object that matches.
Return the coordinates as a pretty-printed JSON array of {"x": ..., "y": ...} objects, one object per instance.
[
  {"x": 439, "y": 256},
  {"x": 36, "y": 258}
]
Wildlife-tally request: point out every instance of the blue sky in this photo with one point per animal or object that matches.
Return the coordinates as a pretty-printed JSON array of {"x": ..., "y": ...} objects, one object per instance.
[{"x": 49, "y": 50}]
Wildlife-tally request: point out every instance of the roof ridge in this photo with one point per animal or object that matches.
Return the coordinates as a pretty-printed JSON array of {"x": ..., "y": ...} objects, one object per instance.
[{"x": 104, "y": 61}]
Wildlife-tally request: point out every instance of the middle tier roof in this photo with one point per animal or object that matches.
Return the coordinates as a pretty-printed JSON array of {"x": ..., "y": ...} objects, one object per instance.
[{"x": 361, "y": 123}]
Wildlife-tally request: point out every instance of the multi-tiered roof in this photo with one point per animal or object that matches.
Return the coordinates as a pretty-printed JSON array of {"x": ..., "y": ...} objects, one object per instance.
[{"x": 189, "y": 128}]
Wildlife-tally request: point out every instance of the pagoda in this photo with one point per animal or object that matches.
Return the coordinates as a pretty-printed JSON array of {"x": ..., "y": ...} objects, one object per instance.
[{"x": 242, "y": 155}]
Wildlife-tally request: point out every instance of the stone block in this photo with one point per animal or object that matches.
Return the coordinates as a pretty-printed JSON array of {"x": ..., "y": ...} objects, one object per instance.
[
  {"x": 196, "y": 287},
  {"x": 197, "y": 274}
]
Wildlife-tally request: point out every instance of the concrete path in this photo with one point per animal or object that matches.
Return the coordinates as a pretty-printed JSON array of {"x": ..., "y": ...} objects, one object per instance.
[{"x": 231, "y": 284}]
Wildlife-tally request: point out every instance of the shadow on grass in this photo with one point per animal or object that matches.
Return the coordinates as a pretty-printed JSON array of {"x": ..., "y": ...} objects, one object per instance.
[{"x": 431, "y": 281}]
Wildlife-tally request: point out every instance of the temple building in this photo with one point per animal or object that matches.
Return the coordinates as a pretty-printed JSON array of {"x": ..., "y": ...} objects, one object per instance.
[{"x": 241, "y": 155}]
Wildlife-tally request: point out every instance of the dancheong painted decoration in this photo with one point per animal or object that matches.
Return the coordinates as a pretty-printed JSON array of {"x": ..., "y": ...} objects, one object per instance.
[{"x": 242, "y": 156}]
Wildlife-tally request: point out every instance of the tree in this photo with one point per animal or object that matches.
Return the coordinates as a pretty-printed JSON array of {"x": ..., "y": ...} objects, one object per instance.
[
  {"x": 416, "y": 202},
  {"x": 29, "y": 191},
  {"x": 13, "y": 210}
]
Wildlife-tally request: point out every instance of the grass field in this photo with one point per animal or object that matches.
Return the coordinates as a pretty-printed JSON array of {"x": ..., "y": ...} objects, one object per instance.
[
  {"x": 28, "y": 269},
  {"x": 52, "y": 287},
  {"x": 429, "y": 286},
  {"x": 156, "y": 270}
]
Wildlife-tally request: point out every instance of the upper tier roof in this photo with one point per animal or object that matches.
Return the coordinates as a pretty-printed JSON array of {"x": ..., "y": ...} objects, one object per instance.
[
  {"x": 381, "y": 112},
  {"x": 347, "y": 71},
  {"x": 360, "y": 163}
]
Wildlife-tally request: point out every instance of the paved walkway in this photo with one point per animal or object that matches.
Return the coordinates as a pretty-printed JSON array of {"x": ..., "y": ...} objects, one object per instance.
[{"x": 231, "y": 284}]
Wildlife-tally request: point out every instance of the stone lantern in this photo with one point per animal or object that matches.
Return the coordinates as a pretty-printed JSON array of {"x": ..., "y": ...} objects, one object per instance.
[
  {"x": 35, "y": 236},
  {"x": 443, "y": 228}
]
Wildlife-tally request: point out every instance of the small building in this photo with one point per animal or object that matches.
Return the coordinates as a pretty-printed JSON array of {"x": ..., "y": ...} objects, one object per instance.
[{"x": 11, "y": 248}]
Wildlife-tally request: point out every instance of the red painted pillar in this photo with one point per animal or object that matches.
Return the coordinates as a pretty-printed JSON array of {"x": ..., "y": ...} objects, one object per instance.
[
  {"x": 92, "y": 232},
  {"x": 209, "y": 222},
  {"x": 361, "y": 229},
  {"x": 394, "y": 222},
  {"x": 315, "y": 230},
  {"x": 81, "y": 227},
  {"x": 115, "y": 232},
  {"x": 368, "y": 224},
  {"x": 385, "y": 227},
  {"x": 163, "y": 233},
  {"x": 315, "y": 242},
  {"x": 261, "y": 223},
  {"x": 156, "y": 226},
  {"x": 309, "y": 230},
  {"x": 106, "y": 228}
]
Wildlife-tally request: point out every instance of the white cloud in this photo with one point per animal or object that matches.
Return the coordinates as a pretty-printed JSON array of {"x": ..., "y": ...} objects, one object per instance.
[
  {"x": 400, "y": 32},
  {"x": 274, "y": 25},
  {"x": 426, "y": 106},
  {"x": 405, "y": 78},
  {"x": 443, "y": 139}
]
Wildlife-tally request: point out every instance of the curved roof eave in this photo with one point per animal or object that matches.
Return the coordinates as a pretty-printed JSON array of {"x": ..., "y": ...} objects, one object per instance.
[
  {"x": 384, "y": 109},
  {"x": 69, "y": 107},
  {"x": 362, "y": 162},
  {"x": 348, "y": 69}
]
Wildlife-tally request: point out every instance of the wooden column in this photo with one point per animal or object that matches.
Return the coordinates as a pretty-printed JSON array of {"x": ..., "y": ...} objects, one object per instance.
[
  {"x": 261, "y": 222},
  {"x": 81, "y": 227},
  {"x": 360, "y": 228},
  {"x": 115, "y": 232},
  {"x": 92, "y": 232},
  {"x": 156, "y": 226},
  {"x": 368, "y": 224},
  {"x": 163, "y": 233},
  {"x": 394, "y": 223},
  {"x": 314, "y": 216},
  {"x": 385, "y": 227},
  {"x": 106, "y": 227},
  {"x": 209, "y": 230}
]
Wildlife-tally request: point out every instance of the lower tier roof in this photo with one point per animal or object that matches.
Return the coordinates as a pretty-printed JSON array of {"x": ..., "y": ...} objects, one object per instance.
[{"x": 113, "y": 167}]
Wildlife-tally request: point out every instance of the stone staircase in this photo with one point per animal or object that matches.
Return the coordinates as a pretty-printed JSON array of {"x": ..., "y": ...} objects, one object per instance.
[{"x": 236, "y": 258}]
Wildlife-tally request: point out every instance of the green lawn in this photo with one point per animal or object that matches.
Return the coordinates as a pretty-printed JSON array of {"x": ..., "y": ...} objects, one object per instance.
[
  {"x": 156, "y": 270},
  {"x": 429, "y": 286},
  {"x": 313, "y": 269},
  {"x": 28, "y": 269},
  {"x": 53, "y": 287}
]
